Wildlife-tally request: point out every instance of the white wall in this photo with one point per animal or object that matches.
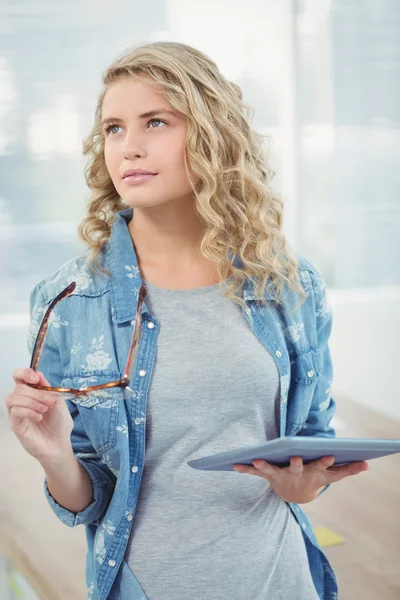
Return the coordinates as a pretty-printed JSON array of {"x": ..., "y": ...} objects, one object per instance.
[{"x": 365, "y": 347}]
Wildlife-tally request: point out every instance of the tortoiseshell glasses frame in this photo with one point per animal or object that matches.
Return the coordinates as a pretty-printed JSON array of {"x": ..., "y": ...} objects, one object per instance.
[{"x": 41, "y": 335}]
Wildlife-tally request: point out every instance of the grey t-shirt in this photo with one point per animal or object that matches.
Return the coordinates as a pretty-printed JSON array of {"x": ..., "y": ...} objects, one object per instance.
[{"x": 211, "y": 535}]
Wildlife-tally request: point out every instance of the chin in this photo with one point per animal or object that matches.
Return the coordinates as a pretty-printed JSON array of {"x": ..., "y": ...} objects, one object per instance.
[{"x": 144, "y": 202}]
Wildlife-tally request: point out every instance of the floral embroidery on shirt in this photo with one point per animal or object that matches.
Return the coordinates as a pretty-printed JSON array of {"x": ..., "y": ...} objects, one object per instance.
[
  {"x": 133, "y": 271},
  {"x": 284, "y": 389},
  {"x": 100, "y": 359},
  {"x": 324, "y": 308},
  {"x": 328, "y": 390},
  {"x": 97, "y": 361},
  {"x": 109, "y": 527},
  {"x": 85, "y": 381},
  {"x": 36, "y": 318},
  {"x": 83, "y": 279},
  {"x": 123, "y": 429},
  {"x": 107, "y": 400},
  {"x": 293, "y": 331},
  {"x": 56, "y": 321},
  {"x": 100, "y": 549},
  {"x": 325, "y": 404},
  {"x": 90, "y": 591},
  {"x": 106, "y": 458},
  {"x": 76, "y": 270},
  {"x": 135, "y": 295},
  {"x": 305, "y": 280}
]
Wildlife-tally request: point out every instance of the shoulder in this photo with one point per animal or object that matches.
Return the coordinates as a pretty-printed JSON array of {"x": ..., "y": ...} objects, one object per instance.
[
  {"x": 308, "y": 272},
  {"x": 310, "y": 277},
  {"x": 316, "y": 303},
  {"x": 314, "y": 285},
  {"x": 89, "y": 281}
]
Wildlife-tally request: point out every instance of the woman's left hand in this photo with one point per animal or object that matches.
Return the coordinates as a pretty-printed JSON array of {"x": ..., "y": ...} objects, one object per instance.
[{"x": 300, "y": 483}]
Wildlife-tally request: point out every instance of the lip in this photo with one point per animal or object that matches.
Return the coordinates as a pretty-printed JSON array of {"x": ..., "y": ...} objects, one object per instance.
[
  {"x": 136, "y": 172},
  {"x": 140, "y": 178}
]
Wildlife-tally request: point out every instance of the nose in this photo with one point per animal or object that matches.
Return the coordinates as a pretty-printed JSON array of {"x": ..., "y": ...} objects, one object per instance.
[{"x": 133, "y": 146}]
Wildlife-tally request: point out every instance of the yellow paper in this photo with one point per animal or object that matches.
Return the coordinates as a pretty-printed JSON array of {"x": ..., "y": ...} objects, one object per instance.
[{"x": 326, "y": 537}]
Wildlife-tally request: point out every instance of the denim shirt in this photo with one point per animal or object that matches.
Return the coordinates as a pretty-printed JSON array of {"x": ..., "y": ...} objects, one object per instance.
[{"x": 87, "y": 343}]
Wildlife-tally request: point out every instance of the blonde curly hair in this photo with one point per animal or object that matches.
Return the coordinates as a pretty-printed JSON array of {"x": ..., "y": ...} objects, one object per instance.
[{"x": 242, "y": 214}]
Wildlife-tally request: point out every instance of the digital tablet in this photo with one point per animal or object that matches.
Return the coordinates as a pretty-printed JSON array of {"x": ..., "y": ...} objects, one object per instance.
[{"x": 280, "y": 450}]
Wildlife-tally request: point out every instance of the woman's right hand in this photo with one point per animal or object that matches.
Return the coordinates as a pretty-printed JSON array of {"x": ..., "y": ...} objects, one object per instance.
[{"x": 40, "y": 420}]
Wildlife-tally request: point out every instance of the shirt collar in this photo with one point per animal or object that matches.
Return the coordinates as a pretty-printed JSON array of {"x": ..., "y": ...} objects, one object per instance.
[
  {"x": 122, "y": 262},
  {"x": 126, "y": 280}
]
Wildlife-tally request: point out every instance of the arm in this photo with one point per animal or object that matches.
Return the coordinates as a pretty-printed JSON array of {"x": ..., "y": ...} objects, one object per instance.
[
  {"x": 299, "y": 483},
  {"x": 68, "y": 483},
  {"x": 78, "y": 485}
]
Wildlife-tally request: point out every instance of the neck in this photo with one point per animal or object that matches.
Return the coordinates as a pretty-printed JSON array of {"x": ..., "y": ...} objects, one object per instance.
[{"x": 166, "y": 237}]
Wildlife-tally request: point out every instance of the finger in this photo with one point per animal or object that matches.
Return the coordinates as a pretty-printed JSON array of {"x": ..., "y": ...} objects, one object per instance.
[
  {"x": 338, "y": 473},
  {"x": 25, "y": 375},
  {"x": 17, "y": 413},
  {"x": 43, "y": 380},
  {"x": 25, "y": 402},
  {"x": 296, "y": 466},
  {"x": 48, "y": 398},
  {"x": 322, "y": 464},
  {"x": 248, "y": 470},
  {"x": 357, "y": 467},
  {"x": 347, "y": 467},
  {"x": 265, "y": 467}
]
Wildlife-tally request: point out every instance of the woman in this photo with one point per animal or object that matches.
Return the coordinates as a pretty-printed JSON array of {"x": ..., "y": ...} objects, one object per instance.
[{"x": 230, "y": 348}]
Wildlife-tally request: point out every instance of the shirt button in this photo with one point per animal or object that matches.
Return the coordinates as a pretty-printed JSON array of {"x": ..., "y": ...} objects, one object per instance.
[
  {"x": 111, "y": 563},
  {"x": 129, "y": 517},
  {"x": 138, "y": 421},
  {"x": 150, "y": 325},
  {"x": 247, "y": 310},
  {"x": 304, "y": 526},
  {"x": 134, "y": 469},
  {"x": 142, "y": 373},
  {"x": 278, "y": 353},
  {"x": 310, "y": 373}
]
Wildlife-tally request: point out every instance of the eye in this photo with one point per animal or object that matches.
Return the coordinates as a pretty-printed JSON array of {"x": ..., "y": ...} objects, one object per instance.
[
  {"x": 155, "y": 121},
  {"x": 110, "y": 127}
]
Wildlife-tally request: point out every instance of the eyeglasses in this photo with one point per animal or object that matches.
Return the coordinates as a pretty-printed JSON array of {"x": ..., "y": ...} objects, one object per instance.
[{"x": 41, "y": 336}]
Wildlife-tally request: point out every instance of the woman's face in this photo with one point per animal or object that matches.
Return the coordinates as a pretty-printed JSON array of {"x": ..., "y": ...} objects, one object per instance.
[{"x": 152, "y": 142}]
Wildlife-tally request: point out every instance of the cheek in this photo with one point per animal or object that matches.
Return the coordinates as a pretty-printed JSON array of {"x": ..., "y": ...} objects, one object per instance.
[
  {"x": 173, "y": 166},
  {"x": 110, "y": 158},
  {"x": 113, "y": 164}
]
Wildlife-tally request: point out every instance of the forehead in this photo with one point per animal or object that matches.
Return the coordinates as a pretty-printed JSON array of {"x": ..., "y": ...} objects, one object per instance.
[{"x": 132, "y": 95}]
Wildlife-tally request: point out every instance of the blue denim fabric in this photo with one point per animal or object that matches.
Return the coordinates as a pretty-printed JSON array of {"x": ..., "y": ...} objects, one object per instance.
[{"x": 87, "y": 343}]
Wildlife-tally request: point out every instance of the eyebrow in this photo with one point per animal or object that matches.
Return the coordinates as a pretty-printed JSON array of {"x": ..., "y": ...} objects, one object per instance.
[{"x": 146, "y": 115}]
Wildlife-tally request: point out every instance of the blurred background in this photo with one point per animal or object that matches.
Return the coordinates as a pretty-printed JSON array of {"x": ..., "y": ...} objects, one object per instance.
[{"x": 323, "y": 77}]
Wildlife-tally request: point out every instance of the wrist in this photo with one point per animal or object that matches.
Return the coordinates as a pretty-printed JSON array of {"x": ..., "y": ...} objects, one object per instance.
[
  {"x": 301, "y": 498},
  {"x": 57, "y": 460}
]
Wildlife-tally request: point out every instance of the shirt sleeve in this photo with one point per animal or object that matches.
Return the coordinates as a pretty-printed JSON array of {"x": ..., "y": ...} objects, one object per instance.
[
  {"x": 103, "y": 480},
  {"x": 323, "y": 406}
]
